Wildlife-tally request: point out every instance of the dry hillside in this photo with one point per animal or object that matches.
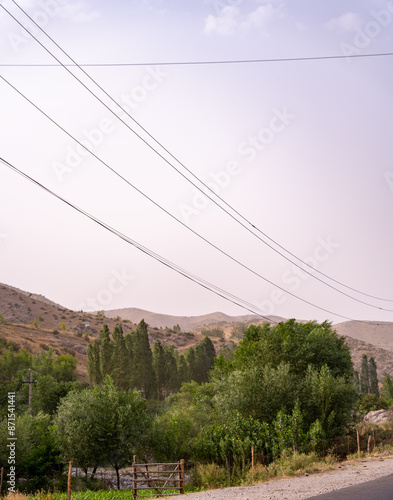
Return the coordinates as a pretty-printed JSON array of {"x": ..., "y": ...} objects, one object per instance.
[
  {"x": 378, "y": 333},
  {"x": 34, "y": 322}
]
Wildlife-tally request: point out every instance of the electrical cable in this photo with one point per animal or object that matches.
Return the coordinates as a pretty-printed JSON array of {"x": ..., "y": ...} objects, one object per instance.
[
  {"x": 164, "y": 210},
  {"x": 205, "y": 63},
  {"x": 190, "y": 172},
  {"x": 200, "y": 281},
  {"x": 75, "y": 64}
]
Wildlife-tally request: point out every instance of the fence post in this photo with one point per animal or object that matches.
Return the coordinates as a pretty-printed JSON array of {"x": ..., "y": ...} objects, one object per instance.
[
  {"x": 252, "y": 457},
  {"x": 358, "y": 438},
  {"x": 134, "y": 480},
  {"x": 1, "y": 479},
  {"x": 182, "y": 476},
  {"x": 69, "y": 480}
]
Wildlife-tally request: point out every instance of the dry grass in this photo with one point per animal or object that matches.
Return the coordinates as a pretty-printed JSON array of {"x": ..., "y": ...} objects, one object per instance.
[
  {"x": 290, "y": 465},
  {"x": 15, "y": 496}
]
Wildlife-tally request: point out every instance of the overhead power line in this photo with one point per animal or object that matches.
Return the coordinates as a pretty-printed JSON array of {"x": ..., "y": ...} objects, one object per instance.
[
  {"x": 167, "y": 212},
  {"x": 195, "y": 177},
  {"x": 204, "y": 63},
  {"x": 199, "y": 281}
]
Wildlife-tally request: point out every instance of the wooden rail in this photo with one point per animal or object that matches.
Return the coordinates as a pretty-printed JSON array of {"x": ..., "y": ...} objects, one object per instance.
[{"x": 158, "y": 477}]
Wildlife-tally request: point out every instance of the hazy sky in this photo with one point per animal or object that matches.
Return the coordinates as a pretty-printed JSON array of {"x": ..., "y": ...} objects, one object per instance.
[{"x": 302, "y": 149}]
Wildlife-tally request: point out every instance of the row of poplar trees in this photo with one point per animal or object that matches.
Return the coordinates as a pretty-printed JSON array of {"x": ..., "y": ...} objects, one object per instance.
[{"x": 133, "y": 365}]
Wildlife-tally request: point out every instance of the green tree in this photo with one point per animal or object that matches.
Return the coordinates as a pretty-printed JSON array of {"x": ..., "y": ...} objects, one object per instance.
[
  {"x": 364, "y": 376},
  {"x": 102, "y": 426},
  {"x": 48, "y": 393},
  {"x": 328, "y": 399},
  {"x": 205, "y": 355},
  {"x": 94, "y": 363},
  {"x": 184, "y": 415},
  {"x": 276, "y": 366},
  {"x": 373, "y": 377},
  {"x": 120, "y": 359},
  {"x": 165, "y": 369},
  {"x": 11, "y": 364},
  {"x": 387, "y": 388},
  {"x": 298, "y": 344},
  {"x": 259, "y": 392},
  {"x": 106, "y": 351},
  {"x": 230, "y": 444},
  {"x": 37, "y": 457},
  {"x": 142, "y": 366}
]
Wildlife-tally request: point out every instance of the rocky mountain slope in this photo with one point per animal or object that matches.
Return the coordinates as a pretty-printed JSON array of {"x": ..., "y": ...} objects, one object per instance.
[{"x": 35, "y": 323}]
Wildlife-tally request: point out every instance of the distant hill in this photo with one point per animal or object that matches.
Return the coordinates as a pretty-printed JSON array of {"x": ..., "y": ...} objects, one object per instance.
[
  {"x": 377, "y": 333},
  {"x": 185, "y": 322},
  {"x": 35, "y": 323}
]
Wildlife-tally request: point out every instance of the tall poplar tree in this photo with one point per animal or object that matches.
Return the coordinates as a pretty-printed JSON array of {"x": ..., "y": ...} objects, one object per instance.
[
  {"x": 364, "y": 376},
  {"x": 143, "y": 371},
  {"x": 373, "y": 376},
  {"x": 93, "y": 363}
]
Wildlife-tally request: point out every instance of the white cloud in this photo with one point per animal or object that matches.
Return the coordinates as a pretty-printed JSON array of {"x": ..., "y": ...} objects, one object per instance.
[
  {"x": 78, "y": 12},
  {"x": 346, "y": 22},
  {"x": 263, "y": 15},
  {"x": 225, "y": 23},
  {"x": 233, "y": 15}
]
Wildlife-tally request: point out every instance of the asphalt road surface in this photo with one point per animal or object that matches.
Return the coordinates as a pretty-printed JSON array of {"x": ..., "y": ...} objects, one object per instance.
[{"x": 379, "y": 489}]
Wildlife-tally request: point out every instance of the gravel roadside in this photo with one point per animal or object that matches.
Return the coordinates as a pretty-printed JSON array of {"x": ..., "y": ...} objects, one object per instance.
[{"x": 301, "y": 487}]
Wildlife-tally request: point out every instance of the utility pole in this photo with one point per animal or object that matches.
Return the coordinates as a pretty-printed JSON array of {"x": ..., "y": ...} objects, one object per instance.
[
  {"x": 30, "y": 382},
  {"x": 30, "y": 389}
]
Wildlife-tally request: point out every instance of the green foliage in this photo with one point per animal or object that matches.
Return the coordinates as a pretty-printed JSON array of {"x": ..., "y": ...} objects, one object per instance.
[
  {"x": 288, "y": 432},
  {"x": 298, "y": 344},
  {"x": 102, "y": 426},
  {"x": 37, "y": 457},
  {"x": 259, "y": 391},
  {"x": 176, "y": 328},
  {"x": 102, "y": 495},
  {"x": 11, "y": 364},
  {"x": 238, "y": 330},
  {"x": 364, "y": 376},
  {"x": 387, "y": 389},
  {"x": 373, "y": 376},
  {"x": 370, "y": 402},
  {"x": 223, "y": 444},
  {"x": 48, "y": 392},
  {"x": 213, "y": 332},
  {"x": 63, "y": 326},
  {"x": 276, "y": 366},
  {"x": 328, "y": 399},
  {"x": 165, "y": 367}
]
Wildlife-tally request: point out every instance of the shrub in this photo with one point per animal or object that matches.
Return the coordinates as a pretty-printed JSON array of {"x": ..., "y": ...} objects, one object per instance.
[{"x": 212, "y": 476}]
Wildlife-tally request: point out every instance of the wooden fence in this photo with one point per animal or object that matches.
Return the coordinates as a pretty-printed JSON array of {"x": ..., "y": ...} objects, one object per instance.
[{"x": 157, "y": 477}]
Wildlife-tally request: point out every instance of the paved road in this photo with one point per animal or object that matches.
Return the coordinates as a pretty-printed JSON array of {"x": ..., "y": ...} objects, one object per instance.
[{"x": 379, "y": 489}]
